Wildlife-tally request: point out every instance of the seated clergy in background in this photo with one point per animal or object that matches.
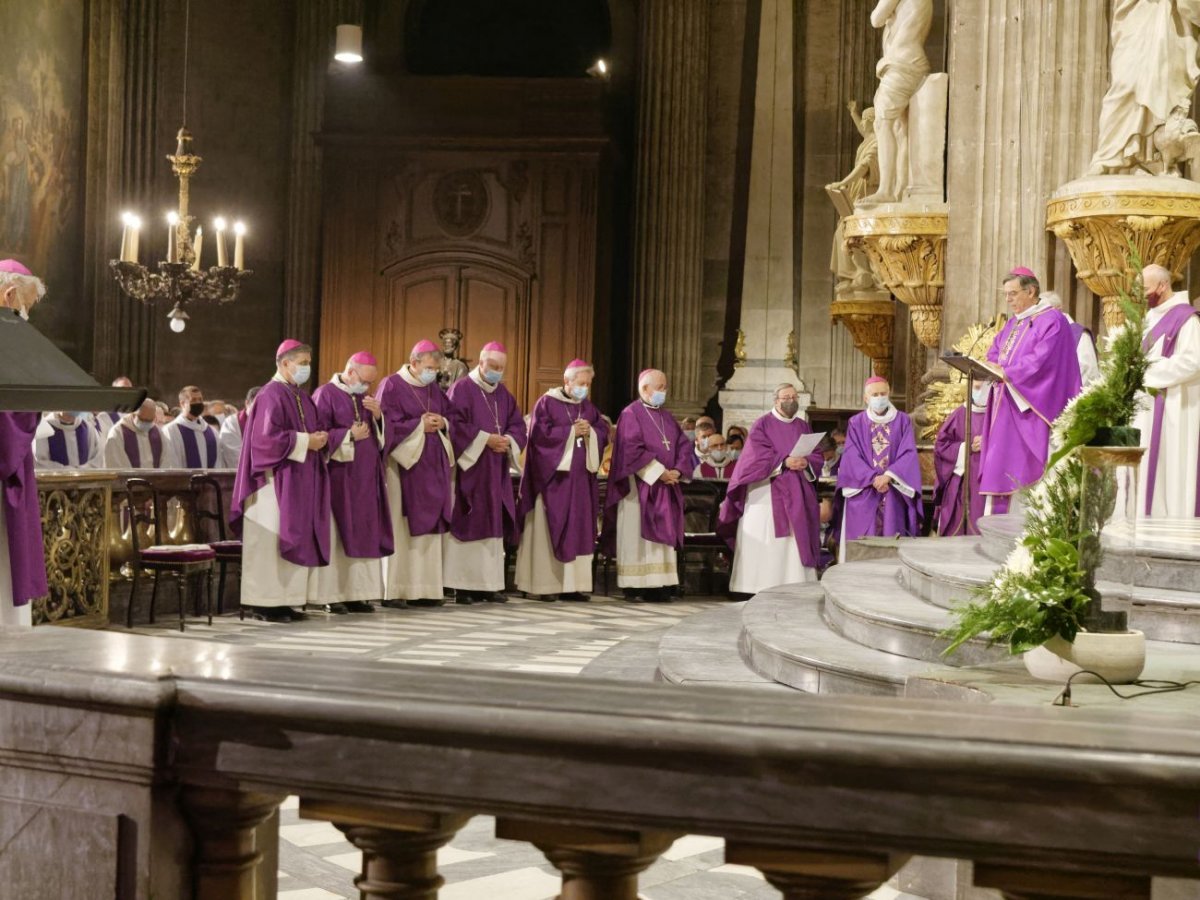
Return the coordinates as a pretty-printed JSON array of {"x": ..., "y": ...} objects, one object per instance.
[
  {"x": 229, "y": 440},
  {"x": 644, "y": 505},
  {"x": 879, "y": 476},
  {"x": 1170, "y": 421},
  {"x": 715, "y": 464},
  {"x": 65, "y": 440},
  {"x": 770, "y": 516},
  {"x": 1035, "y": 355},
  {"x": 281, "y": 493},
  {"x": 950, "y": 461},
  {"x": 136, "y": 441},
  {"x": 1085, "y": 341},
  {"x": 360, "y": 534},
  {"x": 23, "y": 566},
  {"x": 191, "y": 441},
  {"x": 420, "y": 476},
  {"x": 559, "y": 500},
  {"x": 488, "y": 434}
]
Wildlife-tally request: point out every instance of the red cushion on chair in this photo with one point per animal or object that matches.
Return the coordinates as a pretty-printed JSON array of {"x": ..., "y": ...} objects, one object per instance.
[{"x": 181, "y": 553}]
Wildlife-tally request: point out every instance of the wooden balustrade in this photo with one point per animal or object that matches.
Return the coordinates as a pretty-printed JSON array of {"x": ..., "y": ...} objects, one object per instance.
[{"x": 168, "y": 764}]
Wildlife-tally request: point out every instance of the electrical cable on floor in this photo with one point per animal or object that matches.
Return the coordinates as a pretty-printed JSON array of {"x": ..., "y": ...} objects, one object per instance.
[{"x": 1153, "y": 685}]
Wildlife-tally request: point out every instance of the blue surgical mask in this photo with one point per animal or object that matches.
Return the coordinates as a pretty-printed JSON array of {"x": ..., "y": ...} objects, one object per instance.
[
  {"x": 143, "y": 425},
  {"x": 426, "y": 376},
  {"x": 980, "y": 396},
  {"x": 579, "y": 392},
  {"x": 301, "y": 374},
  {"x": 658, "y": 398},
  {"x": 360, "y": 388},
  {"x": 879, "y": 405},
  {"x": 491, "y": 376},
  {"x": 690, "y": 434},
  {"x": 734, "y": 453},
  {"x": 717, "y": 457}
]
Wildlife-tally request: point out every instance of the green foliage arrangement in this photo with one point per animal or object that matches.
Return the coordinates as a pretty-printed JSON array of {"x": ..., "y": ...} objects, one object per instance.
[{"x": 1047, "y": 582}]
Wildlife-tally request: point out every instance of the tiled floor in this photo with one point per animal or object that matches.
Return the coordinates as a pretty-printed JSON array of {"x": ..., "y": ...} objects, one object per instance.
[{"x": 607, "y": 638}]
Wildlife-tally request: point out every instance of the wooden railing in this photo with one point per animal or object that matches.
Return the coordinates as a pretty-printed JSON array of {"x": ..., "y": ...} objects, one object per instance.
[{"x": 147, "y": 767}]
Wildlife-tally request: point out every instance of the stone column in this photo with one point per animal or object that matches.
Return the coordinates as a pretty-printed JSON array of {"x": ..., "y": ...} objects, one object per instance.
[
  {"x": 226, "y": 853},
  {"x": 1026, "y": 81},
  {"x": 768, "y": 283},
  {"x": 803, "y": 874},
  {"x": 596, "y": 863},
  {"x": 399, "y": 847},
  {"x": 668, "y": 247},
  {"x": 316, "y": 22}
]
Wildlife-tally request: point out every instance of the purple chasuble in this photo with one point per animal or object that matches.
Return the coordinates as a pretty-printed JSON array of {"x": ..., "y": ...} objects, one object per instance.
[
  {"x": 357, "y": 489},
  {"x": 793, "y": 496},
  {"x": 302, "y": 488},
  {"x": 643, "y": 436},
  {"x": 192, "y": 457},
  {"x": 948, "y": 497},
  {"x": 133, "y": 450},
  {"x": 57, "y": 444},
  {"x": 1167, "y": 330},
  {"x": 484, "y": 503},
  {"x": 873, "y": 449},
  {"x": 22, "y": 515},
  {"x": 1041, "y": 362},
  {"x": 571, "y": 498},
  {"x": 426, "y": 490}
]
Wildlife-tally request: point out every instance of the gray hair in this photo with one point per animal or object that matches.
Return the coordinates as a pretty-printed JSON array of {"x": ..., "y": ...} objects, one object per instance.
[
  {"x": 1161, "y": 273},
  {"x": 783, "y": 387},
  {"x": 1051, "y": 299},
  {"x": 644, "y": 378},
  {"x": 1025, "y": 280},
  {"x": 293, "y": 353}
]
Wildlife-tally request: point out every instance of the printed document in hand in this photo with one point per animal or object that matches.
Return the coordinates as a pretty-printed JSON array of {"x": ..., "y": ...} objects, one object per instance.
[{"x": 807, "y": 444}]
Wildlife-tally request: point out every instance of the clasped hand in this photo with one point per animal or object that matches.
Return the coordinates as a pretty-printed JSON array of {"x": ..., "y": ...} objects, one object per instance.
[
  {"x": 582, "y": 428},
  {"x": 360, "y": 431},
  {"x": 317, "y": 440},
  {"x": 372, "y": 406},
  {"x": 882, "y": 483},
  {"x": 671, "y": 476},
  {"x": 497, "y": 443},
  {"x": 432, "y": 422},
  {"x": 796, "y": 463},
  {"x": 976, "y": 443}
]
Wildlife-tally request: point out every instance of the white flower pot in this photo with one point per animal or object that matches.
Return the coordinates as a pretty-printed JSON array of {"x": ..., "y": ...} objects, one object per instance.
[{"x": 1120, "y": 658}]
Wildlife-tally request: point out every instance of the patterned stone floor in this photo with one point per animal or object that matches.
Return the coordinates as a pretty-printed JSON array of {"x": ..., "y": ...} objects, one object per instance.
[{"x": 608, "y": 638}]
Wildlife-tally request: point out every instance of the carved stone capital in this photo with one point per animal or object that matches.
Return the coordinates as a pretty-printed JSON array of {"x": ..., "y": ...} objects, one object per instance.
[
  {"x": 1100, "y": 218},
  {"x": 907, "y": 249},
  {"x": 872, "y": 325}
]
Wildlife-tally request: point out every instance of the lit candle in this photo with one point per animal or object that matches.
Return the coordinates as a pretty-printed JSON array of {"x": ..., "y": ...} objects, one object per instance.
[
  {"x": 197, "y": 244},
  {"x": 134, "y": 238},
  {"x": 239, "y": 245},
  {"x": 127, "y": 223},
  {"x": 172, "y": 236},
  {"x": 222, "y": 257}
]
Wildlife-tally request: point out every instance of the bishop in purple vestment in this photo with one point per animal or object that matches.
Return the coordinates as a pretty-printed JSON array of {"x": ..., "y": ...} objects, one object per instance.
[
  {"x": 950, "y": 463},
  {"x": 488, "y": 432},
  {"x": 879, "y": 476},
  {"x": 24, "y": 576},
  {"x": 420, "y": 459},
  {"x": 281, "y": 493},
  {"x": 1037, "y": 354},
  {"x": 643, "y": 516},
  {"x": 362, "y": 523},
  {"x": 559, "y": 501},
  {"x": 770, "y": 516}
]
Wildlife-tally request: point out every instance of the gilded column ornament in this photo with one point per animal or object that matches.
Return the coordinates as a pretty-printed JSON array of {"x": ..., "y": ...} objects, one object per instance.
[
  {"x": 739, "y": 350},
  {"x": 945, "y": 396},
  {"x": 792, "y": 356},
  {"x": 1101, "y": 218},
  {"x": 75, "y": 536},
  {"x": 872, "y": 326},
  {"x": 908, "y": 252}
]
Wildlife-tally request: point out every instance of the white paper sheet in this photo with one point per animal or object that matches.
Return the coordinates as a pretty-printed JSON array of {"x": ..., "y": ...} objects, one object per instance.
[{"x": 807, "y": 444}]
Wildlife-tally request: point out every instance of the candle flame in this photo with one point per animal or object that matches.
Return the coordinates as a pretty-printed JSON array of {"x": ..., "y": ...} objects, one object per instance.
[
  {"x": 239, "y": 228},
  {"x": 219, "y": 223},
  {"x": 172, "y": 218}
]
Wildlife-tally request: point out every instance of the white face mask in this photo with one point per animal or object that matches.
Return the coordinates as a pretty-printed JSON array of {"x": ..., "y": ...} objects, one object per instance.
[
  {"x": 717, "y": 457},
  {"x": 579, "y": 392},
  {"x": 980, "y": 396},
  {"x": 879, "y": 405},
  {"x": 426, "y": 376}
]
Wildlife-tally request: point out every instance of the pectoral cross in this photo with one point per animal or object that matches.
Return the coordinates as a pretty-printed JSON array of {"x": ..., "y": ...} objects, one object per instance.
[{"x": 666, "y": 443}]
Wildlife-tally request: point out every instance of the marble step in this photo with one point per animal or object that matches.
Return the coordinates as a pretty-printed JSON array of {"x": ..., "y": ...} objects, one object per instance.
[
  {"x": 867, "y": 603},
  {"x": 703, "y": 649},
  {"x": 998, "y": 535},
  {"x": 785, "y": 638},
  {"x": 943, "y": 572}
]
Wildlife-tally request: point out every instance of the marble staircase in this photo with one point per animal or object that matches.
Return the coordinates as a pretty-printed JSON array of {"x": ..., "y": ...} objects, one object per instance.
[{"x": 874, "y": 625}]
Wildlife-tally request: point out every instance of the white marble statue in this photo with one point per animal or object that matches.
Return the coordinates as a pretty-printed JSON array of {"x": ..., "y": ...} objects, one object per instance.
[
  {"x": 901, "y": 70},
  {"x": 852, "y": 268},
  {"x": 1144, "y": 123}
]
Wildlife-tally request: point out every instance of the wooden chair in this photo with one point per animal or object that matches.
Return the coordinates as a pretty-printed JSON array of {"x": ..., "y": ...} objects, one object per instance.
[
  {"x": 182, "y": 561},
  {"x": 229, "y": 552},
  {"x": 701, "y": 500}
]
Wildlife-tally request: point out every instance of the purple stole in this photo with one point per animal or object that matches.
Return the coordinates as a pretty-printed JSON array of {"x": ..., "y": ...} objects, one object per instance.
[
  {"x": 1167, "y": 328},
  {"x": 130, "y": 439},
  {"x": 57, "y": 443},
  {"x": 191, "y": 448}
]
